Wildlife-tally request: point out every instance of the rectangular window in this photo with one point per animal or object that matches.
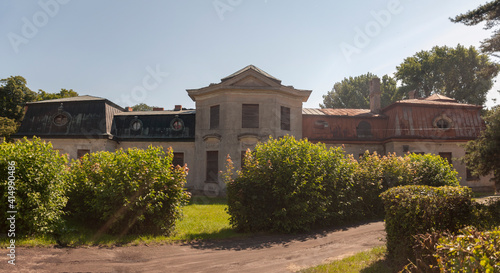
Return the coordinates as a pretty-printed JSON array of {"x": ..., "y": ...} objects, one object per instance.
[
  {"x": 81, "y": 152},
  {"x": 470, "y": 175},
  {"x": 285, "y": 118},
  {"x": 446, "y": 156},
  {"x": 212, "y": 166},
  {"x": 178, "y": 159},
  {"x": 214, "y": 117},
  {"x": 250, "y": 116}
]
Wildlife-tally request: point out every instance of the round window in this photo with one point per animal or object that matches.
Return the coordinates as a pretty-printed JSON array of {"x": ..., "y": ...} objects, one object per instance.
[
  {"x": 61, "y": 119},
  {"x": 177, "y": 124},
  {"x": 135, "y": 124},
  {"x": 442, "y": 122}
]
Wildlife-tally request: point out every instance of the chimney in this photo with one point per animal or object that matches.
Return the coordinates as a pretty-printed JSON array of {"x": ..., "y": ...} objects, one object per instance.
[
  {"x": 411, "y": 94},
  {"x": 128, "y": 109},
  {"x": 157, "y": 108},
  {"x": 178, "y": 108},
  {"x": 375, "y": 95}
]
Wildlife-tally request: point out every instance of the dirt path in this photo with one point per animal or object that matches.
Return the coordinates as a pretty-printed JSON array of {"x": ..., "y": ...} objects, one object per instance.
[{"x": 256, "y": 254}]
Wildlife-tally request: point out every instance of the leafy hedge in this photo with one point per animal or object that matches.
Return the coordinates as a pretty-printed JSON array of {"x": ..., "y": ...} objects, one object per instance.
[
  {"x": 290, "y": 185},
  {"x": 38, "y": 182},
  {"x": 413, "y": 210},
  {"x": 375, "y": 174},
  {"x": 470, "y": 251},
  {"x": 135, "y": 191},
  {"x": 487, "y": 214}
]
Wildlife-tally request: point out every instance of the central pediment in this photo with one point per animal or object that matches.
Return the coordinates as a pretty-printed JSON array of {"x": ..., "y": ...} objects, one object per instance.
[
  {"x": 249, "y": 78},
  {"x": 250, "y": 81}
]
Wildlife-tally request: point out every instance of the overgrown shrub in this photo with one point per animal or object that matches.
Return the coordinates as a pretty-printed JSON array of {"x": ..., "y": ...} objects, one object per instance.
[
  {"x": 38, "y": 183},
  {"x": 412, "y": 210},
  {"x": 431, "y": 170},
  {"x": 136, "y": 191},
  {"x": 487, "y": 214},
  {"x": 469, "y": 251},
  {"x": 290, "y": 185},
  {"x": 374, "y": 174}
]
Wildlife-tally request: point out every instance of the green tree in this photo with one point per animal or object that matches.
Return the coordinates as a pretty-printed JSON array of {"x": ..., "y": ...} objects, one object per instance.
[
  {"x": 142, "y": 107},
  {"x": 7, "y": 127},
  {"x": 64, "y": 93},
  {"x": 354, "y": 92},
  {"x": 483, "y": 154},
  {"x": 460, "y": 73},
  {"x": 489, "y": 12},
  {"x": 13, "y": 95}
]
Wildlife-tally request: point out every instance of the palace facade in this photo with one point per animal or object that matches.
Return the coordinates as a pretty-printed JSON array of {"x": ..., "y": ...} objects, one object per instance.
[{"x": 247, "y": 107}]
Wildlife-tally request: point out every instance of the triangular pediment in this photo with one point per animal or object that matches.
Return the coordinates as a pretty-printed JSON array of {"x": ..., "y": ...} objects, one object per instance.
[{"x": 250, "y": 81}]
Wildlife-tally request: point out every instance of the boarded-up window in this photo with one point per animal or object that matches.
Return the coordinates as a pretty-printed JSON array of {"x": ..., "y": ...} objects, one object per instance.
[
  {"x": 285, "y": 118},
  {"x": 81, "y": 152},
  {"x": 446, "y": 156},
  {"x": 250, "y": 116},
  {"x": 212, "y": 166},
  {"x": 214, "y": 116},
  {"x": 178, "y": 159}
]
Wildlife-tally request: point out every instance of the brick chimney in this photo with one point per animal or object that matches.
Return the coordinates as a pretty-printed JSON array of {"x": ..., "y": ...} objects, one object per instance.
[
  {"x": 128, "y": 109},
  {"x": 411, "y": 94},
  {"x": 375, "y": 96},
  {"x": 178, "y": 108},
  {"x": 157, "y": 108}
]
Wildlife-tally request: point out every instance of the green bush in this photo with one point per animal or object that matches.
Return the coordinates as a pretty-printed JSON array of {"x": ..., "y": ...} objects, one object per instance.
[
  {"x": 290, "y": 185},
  {"x": 136, "y": 191},
  {"x": 375, "y": 174},
  {"x": 37, "y": 180},
  {"x": 469, "y": 251},
  {"x": 487, "y": 215},
  {"x": 413, "y": 210},
  {"x": 431, "y": 170}
]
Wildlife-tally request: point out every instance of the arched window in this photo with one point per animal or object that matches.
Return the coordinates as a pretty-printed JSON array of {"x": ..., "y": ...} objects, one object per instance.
[{"x": 364, "y": 129}]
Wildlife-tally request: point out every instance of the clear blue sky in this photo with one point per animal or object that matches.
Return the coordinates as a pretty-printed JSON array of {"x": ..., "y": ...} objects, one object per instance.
[{"x": 152, "y": 51}]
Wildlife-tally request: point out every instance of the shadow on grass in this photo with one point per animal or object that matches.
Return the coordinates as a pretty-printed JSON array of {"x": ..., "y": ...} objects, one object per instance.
[
  {"x": 380, "y": 266},
  {"x": 266, "y": 240}
]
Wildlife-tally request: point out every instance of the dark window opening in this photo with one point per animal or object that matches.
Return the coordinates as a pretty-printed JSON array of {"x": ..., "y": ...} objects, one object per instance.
[
  {"x": 81, "y": 152},
  {"x": 250, "y": 116},
  {"x": 406, "y": 148},
  {"x": 442, "y": 124},
  {"x": 471, "y": 175},
  {"x": 364, "y": 129},
  {"x": 212, "y": 166},
  {"x": 214, "y": 116},
  {"x": 446, "y": 156},
  {"x": 178, "y": 159},
  {"x": 285, "y": 118}
]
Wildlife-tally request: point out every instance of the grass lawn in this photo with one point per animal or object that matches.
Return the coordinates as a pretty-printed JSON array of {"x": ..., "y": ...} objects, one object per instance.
[
  {"x": 371, "y": 261},
  {"x": 204, "y": 218}
]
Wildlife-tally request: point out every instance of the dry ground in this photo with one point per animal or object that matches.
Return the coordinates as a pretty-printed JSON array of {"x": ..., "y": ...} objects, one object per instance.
[{"x": 265, "y": 253}]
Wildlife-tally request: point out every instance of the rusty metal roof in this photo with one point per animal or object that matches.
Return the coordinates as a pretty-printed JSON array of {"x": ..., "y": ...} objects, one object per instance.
[{"x": 339, "y": 112}]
